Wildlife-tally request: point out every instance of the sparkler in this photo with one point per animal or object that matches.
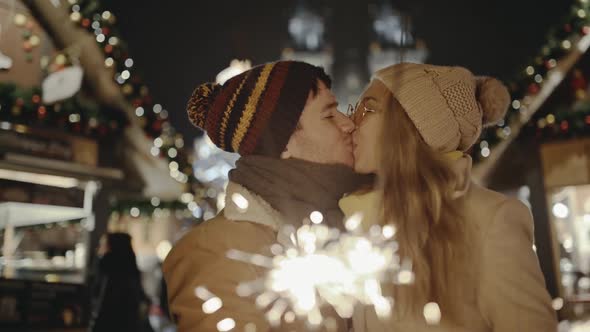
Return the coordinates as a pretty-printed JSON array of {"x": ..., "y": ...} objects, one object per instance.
[{"x": 315, "y": 265}]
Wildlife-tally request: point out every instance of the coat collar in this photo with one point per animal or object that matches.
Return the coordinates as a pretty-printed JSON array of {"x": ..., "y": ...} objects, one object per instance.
[{"x": 258, "y": 211}]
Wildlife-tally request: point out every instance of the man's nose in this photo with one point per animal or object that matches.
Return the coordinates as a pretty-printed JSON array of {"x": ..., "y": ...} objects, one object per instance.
[{"x": 345, "y": 123}]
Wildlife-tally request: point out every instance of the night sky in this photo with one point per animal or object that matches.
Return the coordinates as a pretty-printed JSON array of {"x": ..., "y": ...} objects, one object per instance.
[{"x": 179, "y": 44}]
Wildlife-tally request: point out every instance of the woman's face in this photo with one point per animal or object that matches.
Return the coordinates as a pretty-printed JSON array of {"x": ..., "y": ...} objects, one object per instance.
[{"x": 368, "y": 118}]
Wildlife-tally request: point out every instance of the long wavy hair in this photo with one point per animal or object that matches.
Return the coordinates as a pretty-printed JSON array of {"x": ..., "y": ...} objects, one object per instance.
[{"x": 418, "y": 184}]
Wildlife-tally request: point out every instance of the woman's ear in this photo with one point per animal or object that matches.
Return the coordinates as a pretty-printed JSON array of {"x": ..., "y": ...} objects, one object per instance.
[{"x": 462, "y": 169}]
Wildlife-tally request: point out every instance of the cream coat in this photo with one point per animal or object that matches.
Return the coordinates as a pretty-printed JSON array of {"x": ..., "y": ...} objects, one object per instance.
[{"x": 510, "y": 294}]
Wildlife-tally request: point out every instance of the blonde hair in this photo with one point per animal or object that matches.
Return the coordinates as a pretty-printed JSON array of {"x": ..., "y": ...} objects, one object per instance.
[{"x": 417, "y": 184}]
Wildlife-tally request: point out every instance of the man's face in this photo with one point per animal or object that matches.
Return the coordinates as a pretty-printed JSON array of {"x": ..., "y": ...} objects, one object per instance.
[{"x": 323, "y": 134}]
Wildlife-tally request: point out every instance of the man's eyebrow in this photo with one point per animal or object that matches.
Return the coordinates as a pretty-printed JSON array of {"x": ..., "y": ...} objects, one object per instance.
[{"x": 330, "y": 105}]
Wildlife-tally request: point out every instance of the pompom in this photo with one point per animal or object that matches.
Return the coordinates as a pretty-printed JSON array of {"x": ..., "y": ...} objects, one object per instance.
[
  {"x": 200, "y": 102},
  {"x": 494, "y": 99}
]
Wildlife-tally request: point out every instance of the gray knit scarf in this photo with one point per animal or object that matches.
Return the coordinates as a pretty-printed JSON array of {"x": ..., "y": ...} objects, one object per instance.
[{"x": 296, "y": 187}]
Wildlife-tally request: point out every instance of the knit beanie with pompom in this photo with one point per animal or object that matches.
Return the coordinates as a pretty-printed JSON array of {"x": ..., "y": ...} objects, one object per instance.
[
  {"x": 448, "y": 105},
  {"x": 257, "y": 111}
]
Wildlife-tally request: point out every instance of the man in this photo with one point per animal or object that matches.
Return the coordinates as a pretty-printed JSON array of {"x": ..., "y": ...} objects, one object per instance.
[{"x": 296, "y": 158}]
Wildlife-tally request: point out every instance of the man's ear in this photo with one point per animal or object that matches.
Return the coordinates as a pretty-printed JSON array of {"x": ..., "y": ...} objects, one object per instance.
[{"x": 285, "y": 154}]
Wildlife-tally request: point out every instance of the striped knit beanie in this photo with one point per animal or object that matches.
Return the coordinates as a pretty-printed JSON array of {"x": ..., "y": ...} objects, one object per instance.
[
  {"x": 448, "y": 105},
  {"x": 256, "y": 111}
]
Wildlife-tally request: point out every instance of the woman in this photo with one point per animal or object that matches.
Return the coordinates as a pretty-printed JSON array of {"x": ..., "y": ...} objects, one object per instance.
[
  {"x": 471, "y": 248},
  {"x": 119, "y": 302}
]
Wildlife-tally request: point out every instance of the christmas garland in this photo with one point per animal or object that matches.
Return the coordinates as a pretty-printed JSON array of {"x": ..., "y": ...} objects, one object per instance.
[
  {"x": 77, "y": 115},
  {"x": 529, "y": 81}
]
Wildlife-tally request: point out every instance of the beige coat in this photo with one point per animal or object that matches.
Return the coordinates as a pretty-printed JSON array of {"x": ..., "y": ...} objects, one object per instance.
[
  {"x": 510, "y": 295},
  {"x": 199, "y": 259}
]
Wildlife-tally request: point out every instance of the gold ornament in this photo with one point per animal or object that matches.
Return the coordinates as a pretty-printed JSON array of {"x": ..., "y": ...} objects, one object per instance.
[
  {"x": 20, "y": 20},
  {"x": 35, "y": 40},
  {"x": 60, "y": 59}
]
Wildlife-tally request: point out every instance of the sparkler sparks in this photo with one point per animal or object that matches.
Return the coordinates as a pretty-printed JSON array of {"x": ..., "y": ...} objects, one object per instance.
[{"x": 317, "y": 266}]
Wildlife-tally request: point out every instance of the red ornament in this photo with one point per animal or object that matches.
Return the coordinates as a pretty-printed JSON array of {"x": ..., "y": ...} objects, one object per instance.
[
  {"x": 42, "y": 112},
  {"x": 29, "y": 25},
  {"x": 36, "y": 99},
  {"x": 27, "y": 46},
  {"x": 157, "y": 125},
  {"x": 568, "y": 28},
  {"x": 533, "y": 89},
  {"x": 137, "y": 102},
  {"x": 564, "y": 125},
  {"x": 103, "y": 130},
  {"x": 588, "y": 120},
  {"x": 77, "y": 127},
  {"x": 106, "y": 31},
  {"x": 86, "y": 23},
  {"x": 108, "y": 49},
  {"x": 578, "y": 81},
  {"x": 586, "y": 30}
]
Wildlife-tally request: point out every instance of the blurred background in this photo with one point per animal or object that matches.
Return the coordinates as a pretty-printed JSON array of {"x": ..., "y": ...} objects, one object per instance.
[{"x": 94, "y": 136}]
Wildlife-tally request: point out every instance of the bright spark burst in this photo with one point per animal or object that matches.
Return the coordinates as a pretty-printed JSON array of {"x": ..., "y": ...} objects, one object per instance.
[{"x": 318, "y": 265}]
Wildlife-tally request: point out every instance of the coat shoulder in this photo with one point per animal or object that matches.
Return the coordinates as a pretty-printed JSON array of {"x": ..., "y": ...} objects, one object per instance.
[
  {"x": 219, "y": 234},
  {"x": 485, "y": 206}
]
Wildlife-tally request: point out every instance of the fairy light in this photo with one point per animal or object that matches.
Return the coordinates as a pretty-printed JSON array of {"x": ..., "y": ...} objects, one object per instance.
[
  {"x": 155, "y": 151},
  {"x": 316, "y": 217},
  {"x": 516, "y": 104},
  {"x": 158, "y": 142},
  {"x": 226, "y": 324},
  {"x": 432, "y": 313},
  {"x": 388, "y": 231},
  {"x": 212, "y": 305},
  {"x": 530, "y": 70},
  {"x": 186, "y": 197},
  {"x": 353, "y": 222},
  {"x": 155, "y": 201},
  {"x": 134, "y": 212},
  {"x": 108, "y": 62},
  {"x": 240, "y": 201},
  {"x": 250, "y": 327},
  {"x": 557, "y": 303}
]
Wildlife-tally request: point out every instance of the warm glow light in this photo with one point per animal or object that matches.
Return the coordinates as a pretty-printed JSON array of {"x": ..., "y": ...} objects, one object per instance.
[
  {"x": 560, "y": 210},
  {"x": 212, "y": 305},
  {"x": 163, "y": 249},
  {"x": 316, "y": 217},
  {"x": 240, "y": 201},
  {"x": 226, "y": 325},
  {"x": 432, "y": 313},
  {"x": 42, "y": 179}
]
